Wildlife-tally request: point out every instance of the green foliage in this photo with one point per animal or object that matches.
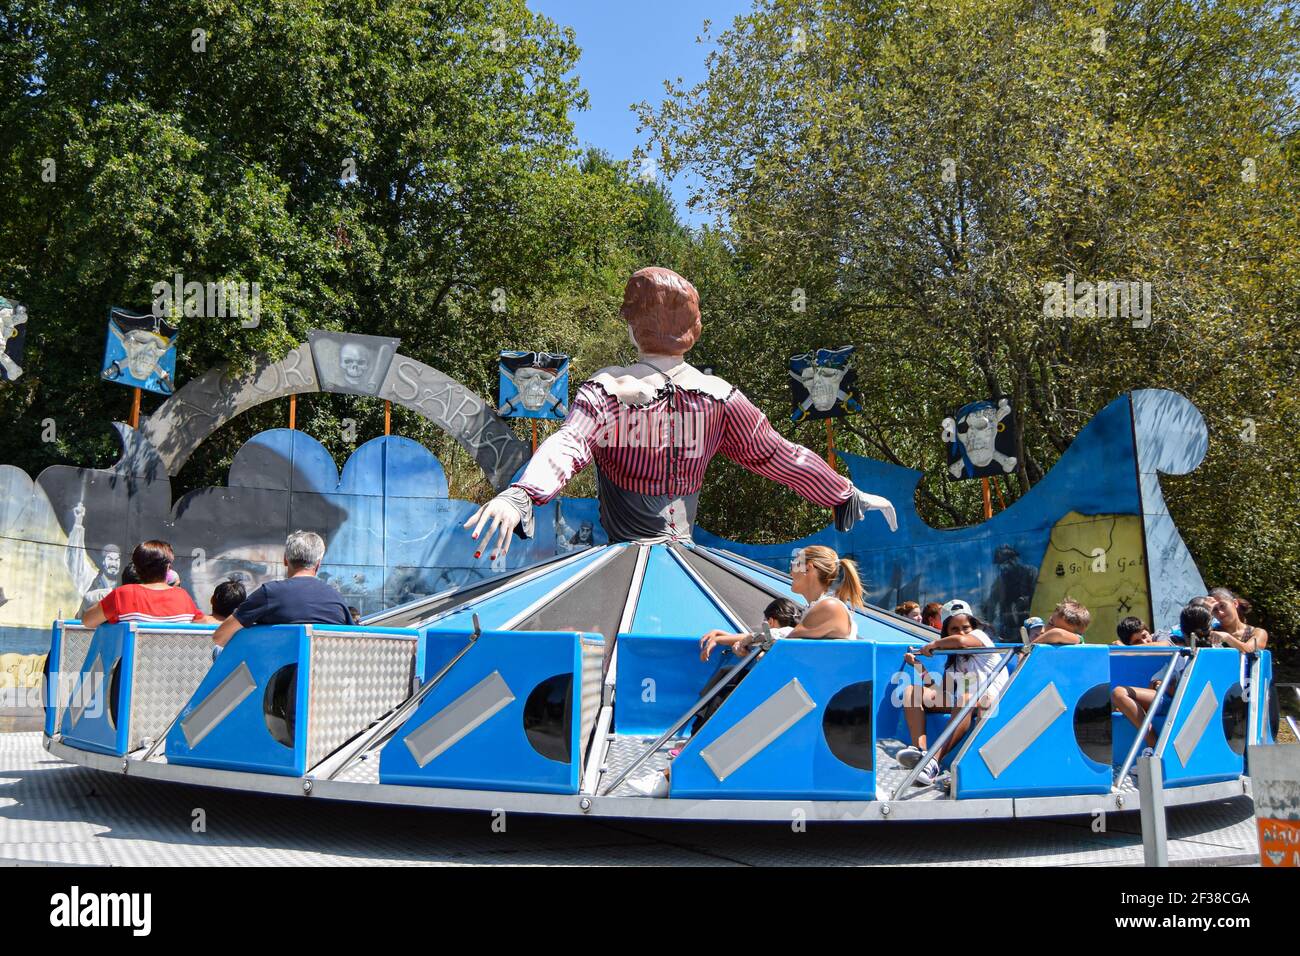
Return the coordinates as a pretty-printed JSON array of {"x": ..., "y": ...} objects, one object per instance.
[
  {"x": 903, "y": 178},
  {"x": 921, "y": 172}
]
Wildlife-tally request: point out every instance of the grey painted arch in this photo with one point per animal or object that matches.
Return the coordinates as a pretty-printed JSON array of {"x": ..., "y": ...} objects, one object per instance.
[{"x": 206, "y": 403}]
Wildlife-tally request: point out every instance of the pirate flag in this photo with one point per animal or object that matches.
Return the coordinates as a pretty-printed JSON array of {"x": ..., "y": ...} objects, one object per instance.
[
  {"x": 13, "y": 334},
  {"x": 981, "y": 440},
  {"x": 822, "y": 385},
  {"x": 140, "y": 352},
  {"x": 533, "y": 385}
]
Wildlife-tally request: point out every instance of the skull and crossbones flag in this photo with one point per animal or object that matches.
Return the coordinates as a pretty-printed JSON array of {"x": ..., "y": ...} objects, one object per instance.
[
  {"x": 981, "y": 440},
  {"x": 140, "y": 352},
  {"x": 13, "y": 334},
  {"x": 533, "y": 385},
  {"x": 822, "y": 385}
]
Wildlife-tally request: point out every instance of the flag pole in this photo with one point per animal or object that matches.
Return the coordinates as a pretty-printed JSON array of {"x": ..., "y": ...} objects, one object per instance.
[
  {"x": 830, "y": 444},
  {"x": 135, "y": 408},
  {"x": 534, "y": 421},
  {"x": 388, "y": 417},
  {"x": 988, "y": 499},
  {"x": 293, "y": 412}
]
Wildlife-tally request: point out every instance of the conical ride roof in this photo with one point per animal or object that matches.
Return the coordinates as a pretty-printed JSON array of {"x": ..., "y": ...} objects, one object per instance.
[{"x": 661, "y": 589}]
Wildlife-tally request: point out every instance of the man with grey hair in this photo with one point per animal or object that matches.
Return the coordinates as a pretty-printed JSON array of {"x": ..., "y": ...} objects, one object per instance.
[{"x": 301, "y": 598}]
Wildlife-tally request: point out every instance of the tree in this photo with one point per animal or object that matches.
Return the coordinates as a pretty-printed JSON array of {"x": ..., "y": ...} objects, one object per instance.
[{"x": 924, "y": 173}]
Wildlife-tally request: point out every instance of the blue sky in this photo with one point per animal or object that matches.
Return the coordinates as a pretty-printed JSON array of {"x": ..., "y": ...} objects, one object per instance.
[{"x": 628, "y": 50}]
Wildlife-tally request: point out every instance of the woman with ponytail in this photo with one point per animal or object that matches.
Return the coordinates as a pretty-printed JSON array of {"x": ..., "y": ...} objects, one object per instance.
[{"x": 832, "y": 587}]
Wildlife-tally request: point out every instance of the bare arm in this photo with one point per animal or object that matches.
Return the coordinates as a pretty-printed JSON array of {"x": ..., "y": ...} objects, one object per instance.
[
  {"x": 828, "y": 619},
  {"x": 94, "y": 616},
  {"x": 229, "y": 627}
]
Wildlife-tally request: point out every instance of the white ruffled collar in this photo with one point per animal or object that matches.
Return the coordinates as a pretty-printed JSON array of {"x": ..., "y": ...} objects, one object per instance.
[{"x": 643, "y": 381}]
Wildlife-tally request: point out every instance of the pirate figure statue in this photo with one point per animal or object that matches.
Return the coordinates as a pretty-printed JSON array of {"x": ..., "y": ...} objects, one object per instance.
[{"x": 652, "y": 428}]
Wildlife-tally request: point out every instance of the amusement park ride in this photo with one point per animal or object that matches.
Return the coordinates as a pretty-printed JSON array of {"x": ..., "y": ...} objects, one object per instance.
[{"x": 548, "y": 688}]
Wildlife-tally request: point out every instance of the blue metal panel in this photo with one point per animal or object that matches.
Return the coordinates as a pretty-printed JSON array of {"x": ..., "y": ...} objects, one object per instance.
[
  {"x": 113, "y": 645},
  {"x": 496, "y": 610},
  {"x": 798, "y": 764},
  {"x": 1211, "y": 759},
  {"x": 659, "y": 678},
  {"x": 242, "y": 741},
  {"x": 671, "y": 603},
  {"x": 435, "y": 649},
  {"x": 495, "y": 754},
  {"x": 1053, "y": 763},
  {"x": 1264, "y": 727},
  {"x": 53, "y": 685}
]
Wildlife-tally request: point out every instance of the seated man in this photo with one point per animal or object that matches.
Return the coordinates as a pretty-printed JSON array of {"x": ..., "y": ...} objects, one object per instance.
[
  {"x": 301, "y": 598},
  {"x": 965, "y": 674},
  {"x": 1066, "y": 625}
]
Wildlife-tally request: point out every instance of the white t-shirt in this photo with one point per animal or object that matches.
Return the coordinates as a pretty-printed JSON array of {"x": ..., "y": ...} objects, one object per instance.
[{"x": 979, "y": 666}]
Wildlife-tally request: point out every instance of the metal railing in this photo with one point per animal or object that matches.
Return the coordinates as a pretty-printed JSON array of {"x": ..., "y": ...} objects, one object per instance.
[
  {"x": 1161, "y": 690},
  {"x": 955, "y": 721},
  {"x": 713, "y": 691}
]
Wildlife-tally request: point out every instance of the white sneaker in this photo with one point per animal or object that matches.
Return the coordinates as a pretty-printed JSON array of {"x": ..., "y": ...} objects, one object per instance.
[
  {"x": 909, "y": 757},
  {"x": 926, "y": 777},
  {"x": 650, "y": 785}
]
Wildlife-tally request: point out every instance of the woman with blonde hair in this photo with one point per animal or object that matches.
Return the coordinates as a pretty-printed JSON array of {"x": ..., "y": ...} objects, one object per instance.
[{"x": 831, "y": 586}]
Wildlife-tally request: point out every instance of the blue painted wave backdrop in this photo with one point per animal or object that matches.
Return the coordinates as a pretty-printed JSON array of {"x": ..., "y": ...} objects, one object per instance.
[{"x": 1095, "y": 527}]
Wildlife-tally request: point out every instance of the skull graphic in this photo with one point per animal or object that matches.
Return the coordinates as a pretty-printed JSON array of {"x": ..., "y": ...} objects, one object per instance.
[
  {"x": 534, "y": 385},
  {"x": 823, "y": 384},
  {"x": 143, "y": 350},
  {"x": 354, "y": 361}
]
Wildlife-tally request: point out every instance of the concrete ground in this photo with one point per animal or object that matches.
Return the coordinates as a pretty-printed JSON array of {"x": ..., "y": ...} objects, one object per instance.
[{"x": 56, "y": 813}]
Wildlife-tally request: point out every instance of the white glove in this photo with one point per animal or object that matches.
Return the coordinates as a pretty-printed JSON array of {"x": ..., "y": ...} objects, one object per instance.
[
  {"x": 501, "y": 517},
  {"x": 883, "y": 505}
]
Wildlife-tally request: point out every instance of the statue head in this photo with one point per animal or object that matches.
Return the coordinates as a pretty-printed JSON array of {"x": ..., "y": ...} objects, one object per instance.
[{"x": 662, "y": 311}]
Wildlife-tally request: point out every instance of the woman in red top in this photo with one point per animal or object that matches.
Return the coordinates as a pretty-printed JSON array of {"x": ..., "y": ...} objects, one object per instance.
[{"x": 153, "y": 600}]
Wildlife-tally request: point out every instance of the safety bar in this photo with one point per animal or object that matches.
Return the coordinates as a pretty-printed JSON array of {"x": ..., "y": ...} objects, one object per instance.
[
  {"x": 954, "y": 722},
  {"x": 678, "y": 724},
  {"x": 1151, "y": 715}
]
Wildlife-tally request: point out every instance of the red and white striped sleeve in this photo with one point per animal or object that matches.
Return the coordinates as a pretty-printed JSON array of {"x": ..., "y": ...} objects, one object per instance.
[
  {"x": 569, "y": 450},
  {"x": 749, "y": 440}
]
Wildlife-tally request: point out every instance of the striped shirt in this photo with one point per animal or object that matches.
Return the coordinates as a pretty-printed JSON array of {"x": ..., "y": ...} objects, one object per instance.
[
  {"x": 135, "y": 602},
  {"x": 664, "y": 447}
]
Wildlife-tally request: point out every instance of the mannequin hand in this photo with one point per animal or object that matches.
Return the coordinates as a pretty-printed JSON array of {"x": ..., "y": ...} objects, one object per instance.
[
  {"x": 883, "y": 505},
  {"x": 501, "y": 517}
]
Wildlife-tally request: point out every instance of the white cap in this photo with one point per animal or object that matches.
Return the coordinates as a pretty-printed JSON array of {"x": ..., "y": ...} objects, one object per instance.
[{"x": 954, "y": 607}]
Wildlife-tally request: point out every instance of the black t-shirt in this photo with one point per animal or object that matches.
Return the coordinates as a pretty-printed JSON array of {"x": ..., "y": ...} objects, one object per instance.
[{"x": 300, "y": 600}]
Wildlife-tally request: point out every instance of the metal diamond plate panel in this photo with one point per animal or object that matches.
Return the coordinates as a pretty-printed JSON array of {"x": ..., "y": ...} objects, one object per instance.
[
  {"x": 593, "y": 656},
  {"x": 76, "y": 645},
  {"x": 354, "y": 681},
  {"x": 168, "y": 669},
  {"x": 624, "y": 749}
]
